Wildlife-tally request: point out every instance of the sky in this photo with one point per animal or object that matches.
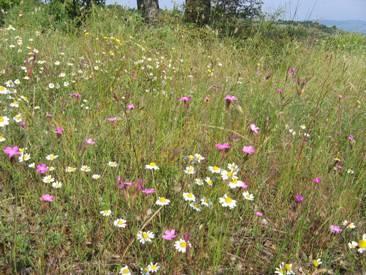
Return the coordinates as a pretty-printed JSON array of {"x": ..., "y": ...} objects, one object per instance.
[{"x": 294, "y": 9}]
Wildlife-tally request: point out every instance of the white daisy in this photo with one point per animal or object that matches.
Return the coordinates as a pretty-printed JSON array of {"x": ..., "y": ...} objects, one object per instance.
[
  {"x": 24, "y": 157},
  {"x": 18, "y": 118},
  {"x": 51, "y": 157},
  {"x": 162, "y": 201},
  {"x": 235, "y": 183},
  {"x": 226, "y": 201},
  {"x": 182, "y": 245},
  {"x": 70, "y": 169},
  {"x": 145, "y": 236},
  {"x": 189, "y": 196},
  {"x": 214, "y": 169},
  {"x": 4, "y": 121},
  {"x": 199, "y": 182},
  {"x": 112, "y": 164},
  {"x": 152, "y": 166},
  {"x": 190, "y": 170},
  {"x": 95, "y": 177},
  {"x": 106, "y": 213},
  {"x": 121, "y": 223},
  {"x": 209, "y": 181},
  {"x": 125, "y": 270},
  {"x": 198, "y": 158},
  {"x": 153, "y": 267},
  {"x": 195, "y": 206},
  {"x": 48, "y": 179},
  {"x": 85, "y": 169},
  {"x": 248, "y": 196},
  {"x": 56, "y": 184}
]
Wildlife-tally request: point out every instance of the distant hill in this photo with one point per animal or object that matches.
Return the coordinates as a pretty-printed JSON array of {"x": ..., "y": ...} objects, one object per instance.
[{"x": 347, "y": 25}]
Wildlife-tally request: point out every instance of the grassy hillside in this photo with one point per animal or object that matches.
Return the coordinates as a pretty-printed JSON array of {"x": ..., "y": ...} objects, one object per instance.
[{"x": 85, "y": 114}]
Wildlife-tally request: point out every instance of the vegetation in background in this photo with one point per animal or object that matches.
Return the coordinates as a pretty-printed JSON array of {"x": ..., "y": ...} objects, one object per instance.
[{"x": 176, "y": 149}]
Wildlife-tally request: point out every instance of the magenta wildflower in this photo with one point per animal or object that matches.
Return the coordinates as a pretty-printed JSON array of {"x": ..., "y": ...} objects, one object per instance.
[
  {"x": 335, "y": 229},
  {"x": 259, "y": 214},
  {"x": 243, "y": 185},
  {"x": 249, "y": 150},
  {"x": 89, "y": 141},
  {"x": 299, "y": 198},
  {"x": 139, "y": 185},
  {"x": 280, "y": 91},
  {"x": 292, "y": 71},
  {"x": 22, "y": 124},
  {"x": 185, "y": 99},
  {"x": 186, "y": 237},
  {"x": 351, "y": 139},
  {"x": 316, "y": 180},
  {"x": 130, "y": 106},
  {"x": 59, "y": 131},
  {"x": 169, "y": 235},
  {"x": 148, "y": 191},
  {"x": 254, "y": 128},
  {"x": 112, "y": 119},
  {"x": 122, "y": 184},
  {"x": 11, "y": 152},
  {"x": 47, "y": 198},
  {"x": 42, "y": 168},
  {"x": 229, "y": 99},
  {"x": 223, "y": 147},
  {"x": 75, "y": 95}
]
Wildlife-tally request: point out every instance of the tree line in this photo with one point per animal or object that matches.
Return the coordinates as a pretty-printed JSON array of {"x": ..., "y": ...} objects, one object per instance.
[{"x": 199, "y": 12}]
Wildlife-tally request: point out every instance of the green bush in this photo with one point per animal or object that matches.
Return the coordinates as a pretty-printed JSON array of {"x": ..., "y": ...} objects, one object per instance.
[{"x": 5, "y": 5}]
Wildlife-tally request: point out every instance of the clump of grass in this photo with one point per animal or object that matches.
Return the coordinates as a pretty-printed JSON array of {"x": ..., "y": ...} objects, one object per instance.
[{"x": 85, "y": 113}]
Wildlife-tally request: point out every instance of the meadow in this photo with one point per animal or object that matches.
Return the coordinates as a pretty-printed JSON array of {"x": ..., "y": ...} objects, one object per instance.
[{"x": 136, "y": 149}]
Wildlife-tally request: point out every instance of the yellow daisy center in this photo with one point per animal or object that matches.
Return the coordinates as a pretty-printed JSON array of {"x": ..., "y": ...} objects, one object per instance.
[
  {"x": 288, "y": 267},
  {"x": 362, "y": 244},
  {"x": 183, "y": 245},
  {"x": 228, "y": 200}
]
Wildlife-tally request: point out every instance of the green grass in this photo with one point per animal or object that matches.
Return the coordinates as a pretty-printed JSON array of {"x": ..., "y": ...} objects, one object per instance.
[{"x": 114, "y": 60}]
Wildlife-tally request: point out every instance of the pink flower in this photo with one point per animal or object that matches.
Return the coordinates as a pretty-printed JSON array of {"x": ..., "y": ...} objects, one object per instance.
[
  {"x": 223, "y": 147},
  {"x": 229, "y": 99},
  {"x": 351, "y": 139},
  {"x": 292, "y": 71},
  {"x": 259, "y": 214},
  {"x": 59, "y": 131},
  {"x": 42, "y": 168},
  {"x": 148, "y": 191},
  {"x": 75, "y": 95},
  {"x": 316, "y": 180},
  {"x": 11, "y": 152},
  {"x": 169, "y": 235},
  {"x": 47, "y": 198},
  {"x": 249, "y": 150},
  {"x": 279, "y": 91},
  {"x": 185, "y": 99},
  {"x": 243, "y": 185},
  {"x": 22, "y": 124},
  {"x": 130, "y": 106},
  {"x": 299, "y": 198},
  {"x": 335, "y": 229},
  {"x": 89, "y": 141},
  {"x": 112, "y": 119},
  {"x": 254, "y": 128},
  {"x": 121, "y": 184},
  {"x": 139, "y": 185}
]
